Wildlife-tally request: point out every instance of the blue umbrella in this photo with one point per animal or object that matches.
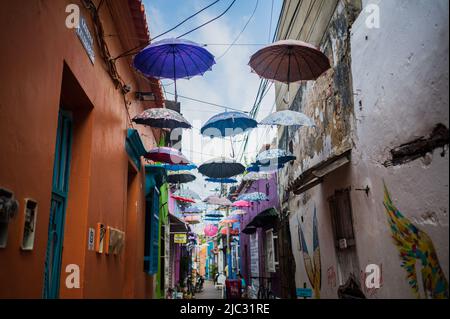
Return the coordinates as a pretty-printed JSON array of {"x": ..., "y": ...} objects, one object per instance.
[
  {"x": 192, "y": 209},
  {"x": 274, "y": 157},
  {"x": 253, "y": 197},
  {"x": 221, "y": 180},
  {"x": 259, "y": 168},
  {"x": 175, "y": 167},
  {"x": 173, "y": 59},
  {"x": 228, "y": 124}
]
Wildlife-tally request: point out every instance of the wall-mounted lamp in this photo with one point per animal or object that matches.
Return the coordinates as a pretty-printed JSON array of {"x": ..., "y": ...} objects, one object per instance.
[
  {"x": 366, "y": 189},
  {"x": 145, "y": 96}
]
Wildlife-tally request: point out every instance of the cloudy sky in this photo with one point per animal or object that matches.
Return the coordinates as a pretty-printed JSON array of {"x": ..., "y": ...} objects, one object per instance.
[{"x": 230, "y": 83}]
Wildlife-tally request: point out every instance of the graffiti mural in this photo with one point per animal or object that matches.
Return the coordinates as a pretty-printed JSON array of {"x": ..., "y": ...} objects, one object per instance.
[
  {"x": 312, "y": 266},
  {"x": 414, "y": 245}
]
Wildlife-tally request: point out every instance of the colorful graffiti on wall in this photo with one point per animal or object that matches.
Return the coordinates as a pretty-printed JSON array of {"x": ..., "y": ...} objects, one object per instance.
[
  {"x": 312, "y": 266},
  {"x": 415, "y": 245}
]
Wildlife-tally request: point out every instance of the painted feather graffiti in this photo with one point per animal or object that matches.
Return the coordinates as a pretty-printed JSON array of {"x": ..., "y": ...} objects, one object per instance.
[
  {"x": 414, "y": 245},
  {"x": 312, "y": 266}
]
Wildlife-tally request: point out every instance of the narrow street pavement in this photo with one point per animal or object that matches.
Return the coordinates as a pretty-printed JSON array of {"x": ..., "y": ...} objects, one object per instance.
[{"x": 209, "y": 291}]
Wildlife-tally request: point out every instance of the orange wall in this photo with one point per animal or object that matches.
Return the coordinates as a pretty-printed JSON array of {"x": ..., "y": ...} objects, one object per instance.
[{"x": 36, "y": 46}]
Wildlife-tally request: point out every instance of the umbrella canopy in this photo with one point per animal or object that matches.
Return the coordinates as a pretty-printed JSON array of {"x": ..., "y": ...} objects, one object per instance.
[
  {"x": 183, "y": 199},
  {"x": 162, "y": 118},
  {"x": 187, "y": 193},
  {"x": 173, "y": 59},
  {"x": 214, "y": 215},
  {"x": 239, "y": 212},
  {"x": 221, "y": 167},
  {"x": 253, "y": 197},
  {"x": 228, "y": 124},
  {"x": 256, "y": 176},
  {"x": 180, "y": 177},
  {"x": 166, "y": 155},
  {"x": 241, "y": 203},
  {"x": 289, "y": 61},
  {"x": 216, "y": 200},
  {"x": 266, "y": 169},
  {"x": 274, "y": 157},
  {"x": 210, "y": 230},
  {"x": 192, "y": 209},
  {"x": 288, "y": 118},
  {"x": 222, "y": 180},
  {"x": 178, "y": 167}
]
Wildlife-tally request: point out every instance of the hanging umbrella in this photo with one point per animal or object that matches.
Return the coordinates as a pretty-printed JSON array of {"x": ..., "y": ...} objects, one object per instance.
[
  {"x": 210, "y": 230},
  {"x": 183, "y": 199},
  {"x": 239, "y": 212},
  {"x": 192, "y": 219},
  {"x": 228, "y": 124},
  {"x": 162, "y": 118},
  {"x": 178, "y": 167},
  {"x": 187, "y": 193},
  {"x": 221, "y": 180},
  {"x": 289, "y": 61},
  {"x": 221, "y": 167},
  {"x": 180, "y": 177},
  {"x": 192, "y": 209},
  {"x": 166, "y": 155},
  {"x": 173, "y": 59},
  {"x": 253, "y": 197},
  {"x": 288, "y": 118},
  {"x": 256, "y": 176},
  {"x": 241, "y": 203},
  {"x": 214, "y": 215},
  {"x": 274, "y": 157},
  {"x": 216, "y": 200},
  {"x": 266, "y": 169}
]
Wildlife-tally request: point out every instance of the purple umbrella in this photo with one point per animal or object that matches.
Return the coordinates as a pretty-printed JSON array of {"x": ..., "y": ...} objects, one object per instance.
[{"x": 173, "y": 59}]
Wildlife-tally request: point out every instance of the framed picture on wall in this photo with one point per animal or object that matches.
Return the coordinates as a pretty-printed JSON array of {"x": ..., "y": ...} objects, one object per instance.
[{"x": 100, "y": 238}]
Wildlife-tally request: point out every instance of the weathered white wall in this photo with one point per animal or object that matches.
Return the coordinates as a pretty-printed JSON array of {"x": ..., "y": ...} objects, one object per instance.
[{"x": 400, "y": 76}]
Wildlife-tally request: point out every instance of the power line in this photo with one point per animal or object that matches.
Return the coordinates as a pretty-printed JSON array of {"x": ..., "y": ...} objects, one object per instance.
[
  {"x": 240, "y": 33},
  {"x": 131, "y": 51},
  {"x": 209, "y": 103},
  {"x": 208, "y": 22}
]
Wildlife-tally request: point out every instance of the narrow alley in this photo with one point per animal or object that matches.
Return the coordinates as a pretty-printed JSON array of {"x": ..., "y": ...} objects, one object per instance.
[{"x": 285, "y": 149}]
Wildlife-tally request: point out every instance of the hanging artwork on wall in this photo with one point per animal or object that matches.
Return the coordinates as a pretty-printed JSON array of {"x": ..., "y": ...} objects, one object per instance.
[
  {"x": 312, "y": 265},
  {"x": 416, "y": 247}
]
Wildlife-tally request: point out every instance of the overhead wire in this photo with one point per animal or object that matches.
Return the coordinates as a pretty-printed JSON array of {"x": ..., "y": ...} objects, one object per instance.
[
  {"x": 132, "y": 51},
  {"x": 240, "y": 33}
]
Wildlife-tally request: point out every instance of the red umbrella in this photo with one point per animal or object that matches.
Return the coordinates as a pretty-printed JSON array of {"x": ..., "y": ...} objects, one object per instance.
[
  {"x": 166, "y": 155},
  {"x": 183, "y": 199},
  {"x": 241, "y": 203}
]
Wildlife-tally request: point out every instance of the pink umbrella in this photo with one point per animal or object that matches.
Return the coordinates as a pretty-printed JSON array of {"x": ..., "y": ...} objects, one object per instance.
[
  {"x": 166, "y": 155},
  {"x": 242, "y": 203},
  {"x": 192, "y": 219},
  {"x": 211, "y": 230}
]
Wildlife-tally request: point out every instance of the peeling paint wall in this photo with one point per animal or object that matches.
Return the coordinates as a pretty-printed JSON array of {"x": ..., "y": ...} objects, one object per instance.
[{"x": 328, "y": 101}]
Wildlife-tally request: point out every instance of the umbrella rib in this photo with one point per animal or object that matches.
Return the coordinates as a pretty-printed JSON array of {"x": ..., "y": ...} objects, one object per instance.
[
  {"x": 180, "y": 50},
  {"x": 201, "y": 59},
  {"x": 298, "y": 65},
  {"x": 160, "y": 53},
  {"x": 188, "y": 53},
  {"x": 278, "y": 68},
  {"x": 309, "y": 66},
  {"x": 267, "y": 57}
]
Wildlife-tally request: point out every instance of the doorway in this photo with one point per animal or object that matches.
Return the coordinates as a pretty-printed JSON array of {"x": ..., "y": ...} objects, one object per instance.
[
  {"x": 344, "y": 236},
  {"x": 60, "y": 189}
]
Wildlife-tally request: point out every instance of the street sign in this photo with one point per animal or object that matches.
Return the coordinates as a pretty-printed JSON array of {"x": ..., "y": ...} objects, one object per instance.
[{"x": 180, "y": 238}]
